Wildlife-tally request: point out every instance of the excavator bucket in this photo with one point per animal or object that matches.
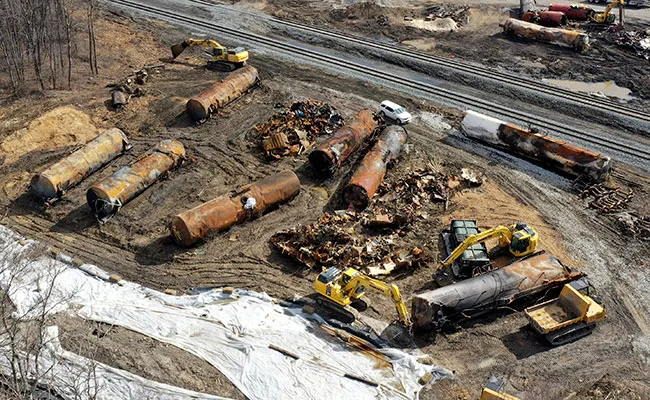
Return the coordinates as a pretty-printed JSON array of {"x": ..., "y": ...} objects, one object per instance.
[
  {"x": 398, "y": 335},
  {"x": 177, "y": 49}
]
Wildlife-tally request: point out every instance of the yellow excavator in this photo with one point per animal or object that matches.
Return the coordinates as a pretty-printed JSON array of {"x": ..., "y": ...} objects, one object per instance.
[
  {"x": 606, "y": 17},
  {"x": 520, "y": 240},
  {"x": 347, "y": 287},
  {"x": 494, "y": 391},
  {"x": 223, "y": 59}
]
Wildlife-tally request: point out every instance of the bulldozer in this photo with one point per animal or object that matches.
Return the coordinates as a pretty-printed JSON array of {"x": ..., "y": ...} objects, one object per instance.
[
  {"x": 606, "y": 17},
  {"x": 338, "y": 289},
  {"x": 222, "y": 58},
  {"x": 470, "y": 256}
]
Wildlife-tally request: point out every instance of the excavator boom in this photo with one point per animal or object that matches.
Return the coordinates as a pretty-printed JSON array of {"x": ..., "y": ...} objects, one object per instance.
[
  {"x": 343, "y": 287},
  {"x": 606, "y": 17},
  {"x": 223, "y": 59},
  {"x": 520, "y": 239},
  {"x": 499, "y": 231}
]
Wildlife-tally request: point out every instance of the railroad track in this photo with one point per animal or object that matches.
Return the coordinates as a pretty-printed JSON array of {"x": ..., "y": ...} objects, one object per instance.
[
  {"x": 483, "y": 72},
  {"x": 459, "y": 98}
]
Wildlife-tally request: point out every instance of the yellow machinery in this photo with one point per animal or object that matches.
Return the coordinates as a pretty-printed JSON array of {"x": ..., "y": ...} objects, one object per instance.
[
  {"x": 569, "y": 317},
  {"x": 348, "y": 287},
  {"x": 606, "y": 17},
  {"x": 223, "y": 59},
  {"x": 494, "y": 391},
  {"x": 520, "y": 239}
]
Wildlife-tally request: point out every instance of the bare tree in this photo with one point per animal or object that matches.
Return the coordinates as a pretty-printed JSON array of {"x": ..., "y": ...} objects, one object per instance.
[
  {"x": 36, "y": 35},
  {"x": 22, "y": 330},
  {"x": 92, "y": 45}
]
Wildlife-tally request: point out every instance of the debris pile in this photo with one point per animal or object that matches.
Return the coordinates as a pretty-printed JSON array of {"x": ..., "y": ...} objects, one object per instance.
[
  {"x": 292, "y": 131},
  {"x": 458, "y": 12},
  {"x": 130, "y": 86},
  {"x": 372, "y": 240},
  {"x": 606, "y": 198},
  {"x": 634, "y": 225},
  {"x": 637, "y": 41},
  {"x": 402, "y": 196},
  {"x": 334, "y": 241}
]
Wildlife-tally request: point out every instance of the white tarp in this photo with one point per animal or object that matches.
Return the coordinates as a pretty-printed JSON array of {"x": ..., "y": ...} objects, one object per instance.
[{"x": 231, "y": 332}]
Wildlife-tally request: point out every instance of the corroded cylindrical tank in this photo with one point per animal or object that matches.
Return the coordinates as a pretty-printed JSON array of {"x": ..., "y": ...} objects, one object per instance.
[
  {"x": 552, "y": 18},
  {"x": 370, "y": 173},
  {"x": 52, "y": 183},
  {"x": 574, "y": 12},
  {"x": 190, "y": 226},
  {"x": 106, "y": 197},
  {"x": 331, "y": 154},
  {"x": 552, "y": 152},
  {"x": 561, "y": 37},
  {"x": 430, "y": 310},
  {"x": 221, "y": 93}
]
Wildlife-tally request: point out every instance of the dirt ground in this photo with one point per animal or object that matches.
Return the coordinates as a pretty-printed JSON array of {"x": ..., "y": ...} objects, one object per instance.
[
  {"x": 136, "y": 244},
  {"x": 477, "y": 38}
]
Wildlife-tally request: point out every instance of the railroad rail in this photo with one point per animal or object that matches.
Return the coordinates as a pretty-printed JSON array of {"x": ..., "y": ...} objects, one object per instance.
[
  {"x": 455, "y": 97},
  {"x": 483, "y": 72}
]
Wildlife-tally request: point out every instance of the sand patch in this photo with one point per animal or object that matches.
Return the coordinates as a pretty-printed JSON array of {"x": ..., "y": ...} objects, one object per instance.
[
  {"x": 436, "y": 25},
  {"x": 63, "y": 126},
  {"x": 491, "y": 206}
]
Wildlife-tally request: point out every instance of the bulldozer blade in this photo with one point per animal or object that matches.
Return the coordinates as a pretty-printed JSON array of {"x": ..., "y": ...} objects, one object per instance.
[{"x": 177, "y": 49}]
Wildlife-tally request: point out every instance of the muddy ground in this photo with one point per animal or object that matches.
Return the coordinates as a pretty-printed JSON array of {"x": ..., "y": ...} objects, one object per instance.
[
  {"x": 477, "y": 38},
  {"x": 136, "y": 244}
]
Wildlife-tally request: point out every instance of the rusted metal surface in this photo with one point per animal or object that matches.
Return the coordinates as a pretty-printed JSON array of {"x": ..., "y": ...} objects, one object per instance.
[
  {"x": 52, "y": 183},
  {"x": 431, "y": 310},
  {"x": 370, "y": 173},
  {"x": 561, "y": 37},
  {"x": 248, "y": 201},
  {"x": 574, "y": 12},
  {"x": 200, "y": 107},
  {"x": 106, "y": 197},
  {"x": 552, "y": 18},
  {"x": 330, "y": 155},
  {"x": 546, "y": 18},
  {"x": 606, "y": 198},
  {"x": 292, "y": 131},
  {"x": 549, "y": 151}
]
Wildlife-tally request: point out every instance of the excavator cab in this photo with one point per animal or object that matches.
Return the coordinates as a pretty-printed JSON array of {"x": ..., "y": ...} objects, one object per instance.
[
  {"x": 333, "y": 284},
  {"x": 524, "y": 240}
]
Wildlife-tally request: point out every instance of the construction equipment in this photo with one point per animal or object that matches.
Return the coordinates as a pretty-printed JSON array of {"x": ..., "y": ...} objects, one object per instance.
[
  {"x": 520, "y": 240},
  {"x": 494, "y": 290},
  {"x": 223, "y": 59},
  {"x": 494, "y": 391},
  {"x": 345, "y": 288},
  {"x": 567, "y": 318},
  {"x": 606, "y": 17}
]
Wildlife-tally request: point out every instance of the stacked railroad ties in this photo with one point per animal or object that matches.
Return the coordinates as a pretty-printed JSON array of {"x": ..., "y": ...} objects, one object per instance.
[{"x": 429, "y": 309}]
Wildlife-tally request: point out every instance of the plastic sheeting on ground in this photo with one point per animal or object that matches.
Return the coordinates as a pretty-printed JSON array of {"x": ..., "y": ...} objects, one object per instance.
[
  {"x": 230, "y": 331},
  {"x": 76, "y": 377}
]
